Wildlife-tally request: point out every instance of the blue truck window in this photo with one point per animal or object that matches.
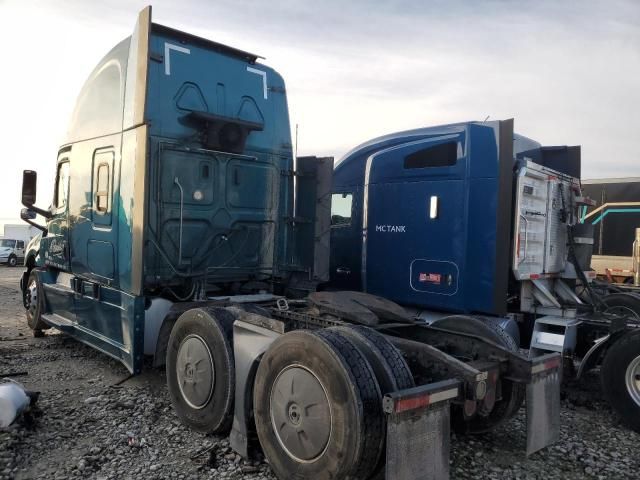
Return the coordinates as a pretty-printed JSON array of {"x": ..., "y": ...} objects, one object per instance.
[
  {"x": 441, "y": 155},
  {"x": 341, "y": 209}
]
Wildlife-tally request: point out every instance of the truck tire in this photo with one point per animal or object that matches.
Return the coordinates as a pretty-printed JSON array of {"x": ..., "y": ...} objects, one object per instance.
[
  {"x": 34, "y": 303},
  {"x": 512, "y": 393},
  {"x": 200, "y": 369},
  {"x": 389, "y": 366},
  {"x": 623, "y": 304},
  {"x": 12, "y": 261},
  {"x": 620, "y": 378},
  {"x": 318, "y": 407}
]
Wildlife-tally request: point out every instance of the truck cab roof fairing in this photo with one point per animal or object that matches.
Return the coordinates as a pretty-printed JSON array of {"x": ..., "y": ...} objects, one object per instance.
[
  {"x": 99, "y": 106},
  {"x": 218, "y": 47},
  {"x": 350, "y": 168}
]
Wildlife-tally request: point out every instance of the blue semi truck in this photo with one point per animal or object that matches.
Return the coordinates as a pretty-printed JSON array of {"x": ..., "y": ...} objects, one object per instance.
[
  {"x": 476, "y": 221},
  {"x": 177, "y": 232}
]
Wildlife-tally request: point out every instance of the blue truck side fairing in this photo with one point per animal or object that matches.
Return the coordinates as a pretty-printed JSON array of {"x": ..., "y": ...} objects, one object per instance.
[{"x": 431, "y": 207}]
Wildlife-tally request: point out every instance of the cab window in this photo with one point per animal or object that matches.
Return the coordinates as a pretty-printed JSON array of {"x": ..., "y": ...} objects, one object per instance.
[
  {"x": 62, "y": 185},
  {"x": 102, "y": 193},
  {"x": 441, "y": 155},
  {"x": 341, "y": 204},
  {"x": 20, "y": 244}
]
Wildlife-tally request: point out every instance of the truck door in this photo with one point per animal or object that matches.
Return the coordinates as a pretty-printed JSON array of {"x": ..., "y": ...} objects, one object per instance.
[
  {"x": 415, "y": 221},
  {"x": 56, "y": 252},
  {"x": 346, "y": 239},
  {"x": 55, "y": 245}
]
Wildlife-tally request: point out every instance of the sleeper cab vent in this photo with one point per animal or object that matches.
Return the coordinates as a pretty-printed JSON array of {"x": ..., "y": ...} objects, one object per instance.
[
  {"x": 441, "y": 155},
  {"x": 224, "y": 134}
]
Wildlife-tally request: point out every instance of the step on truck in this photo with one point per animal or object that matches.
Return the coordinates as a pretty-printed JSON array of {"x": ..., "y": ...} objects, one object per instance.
[
  {"x": 471, "y": 223},
  {"x": 177, "y": 233}
]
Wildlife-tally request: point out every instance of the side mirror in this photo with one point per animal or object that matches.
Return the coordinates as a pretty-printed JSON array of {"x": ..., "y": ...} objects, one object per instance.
[
  {"x": 27, "y": 214},
  {"x": 29, "y": 180}
]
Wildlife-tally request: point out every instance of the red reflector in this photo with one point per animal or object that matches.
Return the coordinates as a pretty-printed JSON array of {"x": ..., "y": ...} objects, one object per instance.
[
  {"x": 534, "y": 276},
  {"x": 412, "y": 403},
  {"x": 553, "y": 363}
]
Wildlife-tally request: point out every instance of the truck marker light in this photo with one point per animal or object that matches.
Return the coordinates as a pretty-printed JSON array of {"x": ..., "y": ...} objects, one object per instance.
[
  {"x": 433, "y": 207},
  {"x": 167, "y": 58}
]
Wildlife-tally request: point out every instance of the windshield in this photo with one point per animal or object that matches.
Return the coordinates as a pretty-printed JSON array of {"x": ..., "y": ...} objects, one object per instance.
[{"x": 7, "y": 243}]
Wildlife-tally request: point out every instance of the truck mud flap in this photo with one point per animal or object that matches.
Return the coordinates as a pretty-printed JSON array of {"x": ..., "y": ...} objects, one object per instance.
[
  {"x": 418, "y": 436},
  {"x": 543, "y": 402}
]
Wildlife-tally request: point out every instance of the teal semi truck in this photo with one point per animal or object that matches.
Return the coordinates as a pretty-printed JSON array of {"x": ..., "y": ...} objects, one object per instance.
[{"x": 177, "y": 232}]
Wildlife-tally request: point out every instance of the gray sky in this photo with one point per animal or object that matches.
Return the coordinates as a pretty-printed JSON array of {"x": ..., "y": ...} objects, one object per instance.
[{"x": 568, "y": 72}]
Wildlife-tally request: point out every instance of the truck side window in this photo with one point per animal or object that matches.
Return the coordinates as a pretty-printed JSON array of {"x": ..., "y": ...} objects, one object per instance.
[
  {"x": 341, "y": 209},
  {"x": 62, "y": 185},
  {"x": 441, "y": 155},
  {"x": 102, "y": 188},
  {"x": 20, "y": 244}
]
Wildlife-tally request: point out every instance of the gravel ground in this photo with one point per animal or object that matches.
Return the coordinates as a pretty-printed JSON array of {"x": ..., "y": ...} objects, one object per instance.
[{"x": 89, "y": 423}]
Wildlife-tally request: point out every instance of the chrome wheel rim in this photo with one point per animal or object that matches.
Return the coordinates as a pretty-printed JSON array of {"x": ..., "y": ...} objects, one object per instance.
[
  {"x": 195, "y": 371},
  {"x": 632, "y": 379},
  {"x": 301, "y": 414},
  {"x": 32, "y": 298}
]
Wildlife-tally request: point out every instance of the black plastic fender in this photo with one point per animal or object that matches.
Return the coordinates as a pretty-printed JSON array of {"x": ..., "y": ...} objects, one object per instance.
[{"x": 596, "y": 352}]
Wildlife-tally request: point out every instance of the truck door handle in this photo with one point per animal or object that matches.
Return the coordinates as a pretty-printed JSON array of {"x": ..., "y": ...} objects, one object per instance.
[{"x": 343, "y": 271}]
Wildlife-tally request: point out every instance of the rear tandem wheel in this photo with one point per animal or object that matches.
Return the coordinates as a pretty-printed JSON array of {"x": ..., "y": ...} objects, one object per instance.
[
  {"x": 512, "y": 394},
  {"x": 318, "y": 407},
  {"x": 627, "y": 304},
  {"x": 200, "y": 369},
  {"x": 389, "y": 366},
  {"x": 620, "y": 370}
]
